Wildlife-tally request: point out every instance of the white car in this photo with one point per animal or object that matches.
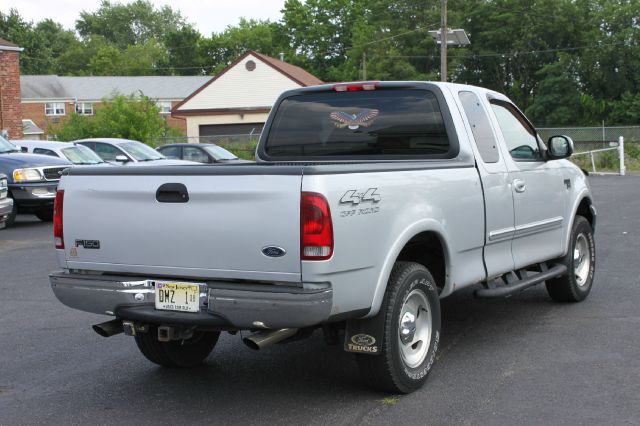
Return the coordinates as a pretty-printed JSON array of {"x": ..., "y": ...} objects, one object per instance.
[
  {"x": 128, "y": 152},
  {"x": 75, "y": 153}
]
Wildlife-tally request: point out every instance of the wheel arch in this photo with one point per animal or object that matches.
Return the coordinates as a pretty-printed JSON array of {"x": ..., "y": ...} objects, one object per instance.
[
  {"x": 424, "y": 242},
  {"x": 583, "y": 206}
]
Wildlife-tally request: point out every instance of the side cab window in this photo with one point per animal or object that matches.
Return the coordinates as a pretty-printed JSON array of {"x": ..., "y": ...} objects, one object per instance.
[
  {"x": 519, "y": 135},
  {"x": 173, "y": 152},
  {"x": 107, "y": 152},
  {"x": 191, "y": 153},
  {"x": 44, "y": 151}
]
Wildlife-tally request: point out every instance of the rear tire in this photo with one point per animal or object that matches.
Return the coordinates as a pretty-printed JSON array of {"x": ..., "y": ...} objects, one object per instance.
[
  {"x": 45, "y": 215},
  {"x": 581, "y": 262},
  {"x": 177, "y": 353},
  {"x": 411, "y": 308}
]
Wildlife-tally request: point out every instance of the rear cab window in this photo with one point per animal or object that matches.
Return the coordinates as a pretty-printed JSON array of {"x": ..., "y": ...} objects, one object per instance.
[{"x": 376, "y": 125}]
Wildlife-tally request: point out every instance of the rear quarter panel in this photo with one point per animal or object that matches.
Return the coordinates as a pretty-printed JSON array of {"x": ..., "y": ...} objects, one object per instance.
[{"x": 369, "y": 236}]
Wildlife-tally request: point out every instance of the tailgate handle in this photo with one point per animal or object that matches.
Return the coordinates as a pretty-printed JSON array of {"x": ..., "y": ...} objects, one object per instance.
[{"x": 172, "y": 193}]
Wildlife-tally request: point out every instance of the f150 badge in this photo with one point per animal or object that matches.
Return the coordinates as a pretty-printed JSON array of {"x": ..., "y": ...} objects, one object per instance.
[
  {"x": 355, "y": 197},
  {"x": 88, "y": 244}
]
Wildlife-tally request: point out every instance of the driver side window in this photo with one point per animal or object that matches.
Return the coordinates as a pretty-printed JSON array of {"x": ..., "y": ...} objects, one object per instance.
[
  {"x": 518, "y": 134},
  {"x": 107, "y": 152}
]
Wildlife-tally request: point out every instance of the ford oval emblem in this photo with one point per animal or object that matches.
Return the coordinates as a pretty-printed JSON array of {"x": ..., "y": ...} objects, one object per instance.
[
  {"x": 272, "y": 251},
  {"x": 363, "y": 339}
]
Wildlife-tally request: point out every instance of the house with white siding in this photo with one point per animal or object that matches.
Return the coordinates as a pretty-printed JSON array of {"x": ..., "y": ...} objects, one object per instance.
[{"x": 239, "y": 98}]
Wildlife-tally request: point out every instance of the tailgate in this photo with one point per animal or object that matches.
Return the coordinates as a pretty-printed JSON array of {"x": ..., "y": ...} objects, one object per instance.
[{"x": 219, "y": 232}]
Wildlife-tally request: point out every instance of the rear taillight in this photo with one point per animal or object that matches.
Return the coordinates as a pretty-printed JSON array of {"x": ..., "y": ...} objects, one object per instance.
[
  {"x": 316, "y": 229},
  {"x": 58, "y": 234},
  {"x": 355, "y": 87}
]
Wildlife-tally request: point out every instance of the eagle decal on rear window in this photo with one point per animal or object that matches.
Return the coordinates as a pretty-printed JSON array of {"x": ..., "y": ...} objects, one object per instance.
[{"x": 354, "y": 121}]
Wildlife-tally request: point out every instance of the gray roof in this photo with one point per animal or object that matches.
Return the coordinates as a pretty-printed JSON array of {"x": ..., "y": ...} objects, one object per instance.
[
  {"x": 30, "y": 128},
  {"x": 34, "y": 87}
]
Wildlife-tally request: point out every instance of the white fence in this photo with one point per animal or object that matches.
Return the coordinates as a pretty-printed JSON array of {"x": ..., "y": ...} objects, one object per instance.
[{"x": 619, "y": 148}]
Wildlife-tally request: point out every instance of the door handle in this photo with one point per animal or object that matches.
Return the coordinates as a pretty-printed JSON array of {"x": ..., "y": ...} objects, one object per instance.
[
  {"x": 172, "y": 193},
  {"x": 519, "y": 185}
]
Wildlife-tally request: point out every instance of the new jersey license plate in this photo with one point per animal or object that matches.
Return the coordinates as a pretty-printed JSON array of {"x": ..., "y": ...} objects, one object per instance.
[{"x": 182, "y": 297}]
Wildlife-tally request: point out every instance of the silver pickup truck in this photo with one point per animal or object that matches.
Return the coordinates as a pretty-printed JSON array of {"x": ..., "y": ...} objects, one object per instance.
[{"x": 368, "y": 203}]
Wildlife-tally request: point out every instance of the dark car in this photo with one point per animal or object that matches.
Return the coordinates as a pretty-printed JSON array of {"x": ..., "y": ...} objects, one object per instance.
[
  {"x": 32, "y": 181},
  {"x": 207, "y": 153},
  {"x": 6, "y": 203}
]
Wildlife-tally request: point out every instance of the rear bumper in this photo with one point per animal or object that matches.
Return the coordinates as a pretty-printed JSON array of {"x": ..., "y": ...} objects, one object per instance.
[{"x": 223, "y": 305}]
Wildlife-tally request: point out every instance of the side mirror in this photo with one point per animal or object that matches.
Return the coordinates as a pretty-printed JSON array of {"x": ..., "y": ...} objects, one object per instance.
[
  {"x": 122, "y": 159},
  {"x": 560, "y": 147}
]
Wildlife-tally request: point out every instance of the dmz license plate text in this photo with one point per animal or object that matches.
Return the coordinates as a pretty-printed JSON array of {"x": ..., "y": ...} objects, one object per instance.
[{"x": 182, "y": 297}]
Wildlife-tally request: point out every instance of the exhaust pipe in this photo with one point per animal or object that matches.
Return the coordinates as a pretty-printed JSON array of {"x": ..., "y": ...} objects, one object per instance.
[
  {"x": 265, "y": 338},
  {"x": 109, "y": 328}
]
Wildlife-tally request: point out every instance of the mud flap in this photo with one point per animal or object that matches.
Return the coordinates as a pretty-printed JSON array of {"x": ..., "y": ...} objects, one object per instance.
[{"x": 364, "y": 336}]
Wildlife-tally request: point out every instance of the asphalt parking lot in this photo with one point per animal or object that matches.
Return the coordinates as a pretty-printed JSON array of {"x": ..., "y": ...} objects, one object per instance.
[{"x": 522, "y": 360}]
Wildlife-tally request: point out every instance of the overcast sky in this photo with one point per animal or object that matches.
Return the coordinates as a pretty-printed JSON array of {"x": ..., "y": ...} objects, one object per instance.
[{"x": 206, "y": 15}]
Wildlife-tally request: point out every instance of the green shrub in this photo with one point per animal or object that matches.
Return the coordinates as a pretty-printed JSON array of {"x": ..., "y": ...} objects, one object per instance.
[{"x": 128, "y": 117}]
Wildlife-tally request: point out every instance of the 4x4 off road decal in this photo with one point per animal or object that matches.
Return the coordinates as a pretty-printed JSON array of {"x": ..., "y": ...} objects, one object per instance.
[{"x": 354, "y": 197}]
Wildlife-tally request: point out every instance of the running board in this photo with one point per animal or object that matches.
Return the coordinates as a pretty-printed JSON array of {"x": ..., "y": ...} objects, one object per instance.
[{"x": 509, "y": 289}]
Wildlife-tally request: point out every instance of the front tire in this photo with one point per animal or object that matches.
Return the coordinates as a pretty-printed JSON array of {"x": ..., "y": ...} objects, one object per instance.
[
  {"x": 411, "y": 334},
  {"x": 581, "y": 262},
  {"x": 177, "y": 353}
]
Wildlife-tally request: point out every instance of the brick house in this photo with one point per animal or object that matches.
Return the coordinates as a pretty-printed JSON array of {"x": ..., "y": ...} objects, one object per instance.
[
  {"x": 239, "y": 98},
  {"x": 10, "y": 107},
  {"x": 49, "y": 99}
]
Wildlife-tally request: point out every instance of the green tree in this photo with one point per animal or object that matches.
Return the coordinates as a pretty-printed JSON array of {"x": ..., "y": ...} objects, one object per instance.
[
  {"x": 126, "y": 24},
  {"x": 73, "y": 128},
  {"x": 225, "y": 47},
  {"x": 57, "y": 40},
  {"x": 185, "y": 51},
  {"x": 107, "y": 60},
  {"x": 129, "y": 117},
  {"x": 558, "y": 100},
  {"x": 37, "y": 57},
  {"x": 77, "y": 60},
  {"x": 320, "y": 32},
  {"x": 513, "y": 40},
  {"x": 626, "y": 110}
]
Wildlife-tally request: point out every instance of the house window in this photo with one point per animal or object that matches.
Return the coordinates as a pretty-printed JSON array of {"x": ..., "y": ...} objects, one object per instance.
[
  {"x": 54, "y": 108},
  {"x": 84, "y": 108},
  {"x": 164, "y": 106}
]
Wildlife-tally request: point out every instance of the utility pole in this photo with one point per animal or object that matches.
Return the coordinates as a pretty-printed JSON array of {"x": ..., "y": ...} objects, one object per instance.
[
  {"x": 443, "y": 39},
  {"x": 364, "y": 65}
]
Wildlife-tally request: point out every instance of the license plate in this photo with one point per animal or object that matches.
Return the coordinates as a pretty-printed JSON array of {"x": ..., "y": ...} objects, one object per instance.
[{"x": 182, "y": 297}]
